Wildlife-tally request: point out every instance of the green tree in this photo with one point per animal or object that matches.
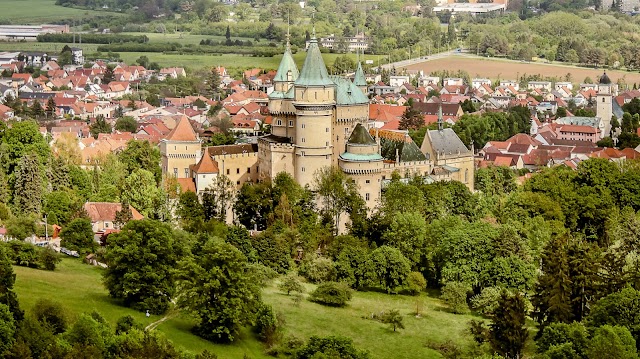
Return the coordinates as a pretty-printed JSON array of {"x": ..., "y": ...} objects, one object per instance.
[
  {"x": 254, "y": 204},
  {"x": 7, "y": 328},
  {"x": 36, "y": 110},
  {"x": 613, "y": 342},
  {"x": 142, "y": 260},
  {"x": 620, "y": 308},
  {"x": 141, "y": 155},
  {"x": 99, "y": 126},
  {"x": 78, "y": 236},
  {"x": 217, "y": 198},
  {"x": 416, "y": 283},
  {"x": 338, "y": 193},
  {"x": 108, "y": 75},
  {"x": 455, "y": 295},
  {"x": 574, "y": 336},
  {"x": 213, "y": 83},
  {"x": 552, "y": 296},
  {"x": 407, "y": 233},
  {"x": 268, "y": 325},
  {"x": 330, "y": 347},
  {"x": 332, "y": 294},
  {"x": 59, "y": 206},
  {"x": 291, "y": 284},
  {"x": 190, "y": 210},
  {"x": 392, "y": 268},
  {"x": 141, "y": 191},
  {"x": 23, "y": 138},
  {"x": 27, "y": 196},
  {"x": 393, "y": 318},
  {"x": 123, "y": 215},
  {"x": 126, "y": 124},
  {"x": 219, "y": 288},
  {"x": 52, "y": 314},
  {"x": 411, "y": 119},
  {"x": 7, "y": 279},
  {"x": 50, "y": 110},
  {"x": 508, "y": 333}
]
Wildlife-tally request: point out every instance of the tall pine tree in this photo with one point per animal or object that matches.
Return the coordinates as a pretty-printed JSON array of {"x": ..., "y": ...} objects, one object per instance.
[
  {"x": 27, "y": 196},
  {"x": 51, "y": 108},
  {"x": 552, "y": 298},
  {"x": 7, "y": 279},
  {"x": 507, "y": 333},
  {"x": 584, "y": 264},
  {"x": 36, "y": 110}
]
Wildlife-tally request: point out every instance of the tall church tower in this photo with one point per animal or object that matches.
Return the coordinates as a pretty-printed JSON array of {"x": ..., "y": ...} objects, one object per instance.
[
  {"x": 314, "y": 102},
  {"x": 604, "y": 106},
  {"x": 180, "y": 149}
]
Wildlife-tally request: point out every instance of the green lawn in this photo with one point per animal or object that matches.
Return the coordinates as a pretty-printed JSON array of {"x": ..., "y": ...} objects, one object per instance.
[
  {"x": 184, "y": 38},
  {"x": 226, "y": 60},
  {"x": 35, "y": 12}
]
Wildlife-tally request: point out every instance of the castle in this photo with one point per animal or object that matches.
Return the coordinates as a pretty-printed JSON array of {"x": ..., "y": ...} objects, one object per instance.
[{"x": 321, "y": 121}]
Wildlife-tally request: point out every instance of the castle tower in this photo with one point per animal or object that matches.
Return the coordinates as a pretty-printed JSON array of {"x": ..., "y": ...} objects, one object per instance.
[
  {"x": 360, "y": 81},
  {"x": 314, "y": 102},
  {"x": 280, "y": 99},
  {"x": 180, "y": 149},
  {"x": 604, "y": 105},
  {"x": 362, "y": 162}
]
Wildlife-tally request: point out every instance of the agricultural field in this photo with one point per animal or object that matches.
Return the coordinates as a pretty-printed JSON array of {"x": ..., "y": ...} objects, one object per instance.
[
  {"x": 78, "y": 287},
  {"x": 506, "y": 69},
  {"x": 35, "y": 12}
]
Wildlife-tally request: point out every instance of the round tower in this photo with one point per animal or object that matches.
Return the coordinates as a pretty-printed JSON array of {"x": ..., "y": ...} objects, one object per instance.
[{"x": 314, "y": 102}]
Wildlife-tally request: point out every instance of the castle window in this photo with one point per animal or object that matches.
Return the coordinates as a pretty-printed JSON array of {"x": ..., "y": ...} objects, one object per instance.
[
  {"x": 279, "y": 123},
  {"x": 366, "y": 196},
  {"x": 315, "y": 95},
  {"x": 367, "y": 181},
  {"x": 290, "y": 123},
  {"x": 327, "y": 143},
  {"x": 302, "y": 139},
  {"x": 303, "y": 125},
  {"x": 237, "y": 171},
  {"x": 175, "y": 171},
  {"x": 327, "y": 129},
  {"x": 185, "y": 147},
  {"x": 238, "y": 183},
  {"x": 203, "y": 176},
  {"x": 186, "y": 172},
  {"x": 228, "y": 171},
  {"x": 466, "y": 175},
  {"x": 302, "y": 169},
  {"x": 175, "y": 148},
  {"x": 603, "y": 99},
  {"x": 248, "y": 169}
]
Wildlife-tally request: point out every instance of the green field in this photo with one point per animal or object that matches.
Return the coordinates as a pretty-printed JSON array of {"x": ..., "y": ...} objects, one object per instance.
[
  {"x": 79, "y": 288},
  {"x": 192, "y": 61},
  {"x": 35, "y": 12}
]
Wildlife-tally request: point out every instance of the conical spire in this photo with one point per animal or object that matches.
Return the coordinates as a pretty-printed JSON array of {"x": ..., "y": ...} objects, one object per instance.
[
  {"x": 359, "y": 79},
  {"x": 314, "y": 71},
  {"x": 286, "y": 65}
]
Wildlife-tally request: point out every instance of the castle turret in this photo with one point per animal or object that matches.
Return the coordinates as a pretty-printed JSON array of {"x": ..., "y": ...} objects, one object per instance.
[
  {"x": 314, "y": 102},
  {"x": 359, "y": 80},
  {"x": 280, "y": 99}
]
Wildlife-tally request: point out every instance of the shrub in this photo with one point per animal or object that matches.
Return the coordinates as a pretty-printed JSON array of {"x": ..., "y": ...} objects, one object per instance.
[
  {"x": 455, "y": 295},
  {"x": 332, "y": 294},
  {"x": 318, "y": 269},
  {"x": 52, "y": 314},
  {"x": 49, "y": 258},
  {"x": 330, "y": 347},
  {"x": 393, "y": 318},
  {"x": 487, "y": 301},
  {"x": 416, "y": 283},
  {"x": 268, "y": 325}
]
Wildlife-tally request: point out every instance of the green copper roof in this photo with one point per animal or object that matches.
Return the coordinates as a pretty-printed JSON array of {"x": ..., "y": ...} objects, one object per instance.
[
  {"x": 347, "y": 156},
  {"x": 314, "y": 71},
  {"x": 286, "y": 64},
  {"x": 359, "y": 79},
  {"x": 360, "y": 136},
  {"x": 407, "y": 150},
  {"x": 347, "y": 93}
]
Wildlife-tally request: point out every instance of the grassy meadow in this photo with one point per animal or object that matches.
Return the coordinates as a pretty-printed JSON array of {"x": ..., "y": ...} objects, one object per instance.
[
  {"x": 35, "y": 12},
  {"x": 79, "y": 288}
]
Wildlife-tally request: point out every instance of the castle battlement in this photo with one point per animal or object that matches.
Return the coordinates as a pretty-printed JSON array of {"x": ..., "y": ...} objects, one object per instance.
[
  {"x": 409, "y": 164},
  {"x": 235, "y": 155}
]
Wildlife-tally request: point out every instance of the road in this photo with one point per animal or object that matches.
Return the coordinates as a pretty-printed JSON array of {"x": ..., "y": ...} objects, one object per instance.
[{"x": 418, "y": 60}]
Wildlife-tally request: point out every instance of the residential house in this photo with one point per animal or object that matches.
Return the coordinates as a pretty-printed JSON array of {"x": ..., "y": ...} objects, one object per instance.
[{"x": 103, "y": 214}]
